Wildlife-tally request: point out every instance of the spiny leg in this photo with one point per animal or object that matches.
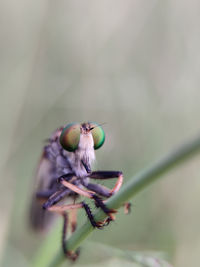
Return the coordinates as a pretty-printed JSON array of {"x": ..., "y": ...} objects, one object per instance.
[
  {"x": 109, "y": 212},
  {"x": 79, "y": 191},
  {"x": 62, "y": 208},
  {"x": 64, "y": 232},
  {"x": 102, "y": 175},
  {"x": 104, "y": 191},
  {"x": 98, "y": 202},
  {"x": 62, "y": 211},
  {"x": 88, "y": 211},
  {"x": 71, "y": 255},
  {"x": 50, "y": 206},
  {"x": 97, "y": 188},
  {"x": 82, "y": 192},
  {"x": 55, "y": 198}
]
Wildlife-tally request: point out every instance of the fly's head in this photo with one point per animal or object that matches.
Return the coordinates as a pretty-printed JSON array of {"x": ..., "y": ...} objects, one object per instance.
[{"x": 80, "y": 140}]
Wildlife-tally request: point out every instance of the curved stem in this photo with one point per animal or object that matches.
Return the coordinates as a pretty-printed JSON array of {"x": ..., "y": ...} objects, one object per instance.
[{"x": 130, "y": 189}]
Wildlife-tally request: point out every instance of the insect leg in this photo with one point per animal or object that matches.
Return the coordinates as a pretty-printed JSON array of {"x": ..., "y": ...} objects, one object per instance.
[
  {"x": 58, "y": 195},
  {"x": 62, "y": 208},
  {"x": 88, "y": 211},
  {"x": 64, "y": 232},
  {"x": 70, "y": 254},
  {"x": 109, "y": 175},
  {"x": 99, "y": 189},
  {"x": 73, "y": 219},
  {"x": 73, "y": 255},
  {"x": 73, "y": 208},
  {"x": 103, "y": 191},
  {"x": 99, "y": 203},
  {"x": 76, "y": 189},
  {"x": 55, "y": 198}
]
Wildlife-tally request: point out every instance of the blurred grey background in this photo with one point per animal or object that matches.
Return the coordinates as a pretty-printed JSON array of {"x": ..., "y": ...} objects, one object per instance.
[{"x": 133, "y": 64}]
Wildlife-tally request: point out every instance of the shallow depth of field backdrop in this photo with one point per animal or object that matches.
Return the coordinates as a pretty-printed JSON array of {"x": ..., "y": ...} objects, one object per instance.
[{"x": 132, "y": 64}]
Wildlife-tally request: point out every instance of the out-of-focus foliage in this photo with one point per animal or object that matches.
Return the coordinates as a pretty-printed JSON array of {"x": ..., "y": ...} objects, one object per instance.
[
  {"x": 131, "y": 64},
  {"x": 95, "y": 254}
]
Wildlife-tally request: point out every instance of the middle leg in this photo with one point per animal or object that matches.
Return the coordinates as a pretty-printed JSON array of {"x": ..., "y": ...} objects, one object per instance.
[
  {"x": 70, "y": 254},
  {"x": 104, "y": 191},
  {"x": 104, "y": 175},
  {"x": 98, "y": 202}
]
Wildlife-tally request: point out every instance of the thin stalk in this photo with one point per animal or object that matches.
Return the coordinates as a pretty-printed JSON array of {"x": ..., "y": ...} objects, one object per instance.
[{"x": 130, "y": 189}]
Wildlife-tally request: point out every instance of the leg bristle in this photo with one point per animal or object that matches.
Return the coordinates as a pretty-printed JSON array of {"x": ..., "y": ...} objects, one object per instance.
[{"x": 90, "y": 216}]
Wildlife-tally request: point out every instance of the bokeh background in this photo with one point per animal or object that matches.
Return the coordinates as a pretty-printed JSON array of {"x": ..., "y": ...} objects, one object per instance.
[{"x": 133, "y": 64}]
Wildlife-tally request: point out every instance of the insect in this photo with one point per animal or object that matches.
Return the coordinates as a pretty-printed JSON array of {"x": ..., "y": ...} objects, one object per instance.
[{"x": 64, "y": 173}]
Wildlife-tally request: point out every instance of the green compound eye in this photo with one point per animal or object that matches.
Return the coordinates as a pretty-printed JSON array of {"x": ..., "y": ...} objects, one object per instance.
[
  {"x": 97, "y": 134},
  {"x": 70, "y": 136}
]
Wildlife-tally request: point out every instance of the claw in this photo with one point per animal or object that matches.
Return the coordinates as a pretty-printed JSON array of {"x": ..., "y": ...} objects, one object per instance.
[
  {"x": 107, "y": 221},
  {"x": 100, "y": 204},
  {"x": 100, "y": 225},
  {"x": 112, "y": 211},
  {"x": 73, "y": 255}
]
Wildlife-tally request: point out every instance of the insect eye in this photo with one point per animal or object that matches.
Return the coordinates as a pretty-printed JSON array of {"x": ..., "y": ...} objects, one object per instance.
[
  {"x": 97, "y": 134},
  {"x": 70, "y": 136}
]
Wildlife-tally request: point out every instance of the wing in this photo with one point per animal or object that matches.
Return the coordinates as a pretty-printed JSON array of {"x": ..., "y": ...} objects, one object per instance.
[
  {"x": 45, "y": 177},
  {"x": 39, "y": 218}
]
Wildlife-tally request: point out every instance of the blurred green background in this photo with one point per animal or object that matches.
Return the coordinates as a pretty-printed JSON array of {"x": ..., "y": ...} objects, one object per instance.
[{"x": 133, "y": 64}]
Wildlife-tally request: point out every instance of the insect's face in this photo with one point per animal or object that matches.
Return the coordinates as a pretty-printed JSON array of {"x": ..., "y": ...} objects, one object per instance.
[{"x": 82, "y": 136}]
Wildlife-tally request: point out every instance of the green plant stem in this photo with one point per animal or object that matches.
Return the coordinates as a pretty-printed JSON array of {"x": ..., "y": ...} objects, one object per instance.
[{"x": 130, "y": 189}]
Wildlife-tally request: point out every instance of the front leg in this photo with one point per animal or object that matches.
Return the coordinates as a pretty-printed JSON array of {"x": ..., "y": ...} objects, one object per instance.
[
  {"x": 92, "y": 195},
  {"x": 103, "y": 175},
  {"x": 55, "y": 198},
  {"x": 104, "y": 191}
]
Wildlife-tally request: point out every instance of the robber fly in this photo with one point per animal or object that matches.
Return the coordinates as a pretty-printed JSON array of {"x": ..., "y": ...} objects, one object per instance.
[{"x": 64, "y": 173}]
